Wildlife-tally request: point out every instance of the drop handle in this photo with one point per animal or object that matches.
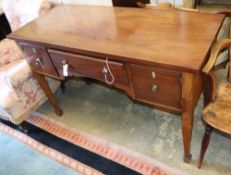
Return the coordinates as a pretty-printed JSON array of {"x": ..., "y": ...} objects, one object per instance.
[
  {"x": 108, "y": 76},
  {"x": 39, "y": 61},
  {"x": 154, "y": 88},
  {"x": 65, "y": 68}
]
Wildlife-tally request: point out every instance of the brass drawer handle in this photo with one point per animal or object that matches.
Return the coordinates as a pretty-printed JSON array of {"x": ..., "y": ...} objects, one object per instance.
[
  {"x": 39, "y": 61},
  {"x": 154, "y": 88}
]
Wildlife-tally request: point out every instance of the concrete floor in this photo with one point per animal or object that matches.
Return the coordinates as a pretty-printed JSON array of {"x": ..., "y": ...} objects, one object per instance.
[{"x": 111, "y": 115}]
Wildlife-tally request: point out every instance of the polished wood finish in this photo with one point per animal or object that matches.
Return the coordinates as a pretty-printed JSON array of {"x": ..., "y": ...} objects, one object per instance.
[
  {"x": 217, "y": 113},
  {"x": 157, "y": 86},
  {"x": 85, "y": 66},
  {"x": 191, "y": 90},
  {"x": 172, "y": 43},
  {"x": 38, "y": 58},
  {"x": 168, "y": 5},
  {"x": 128, "y": 34}
]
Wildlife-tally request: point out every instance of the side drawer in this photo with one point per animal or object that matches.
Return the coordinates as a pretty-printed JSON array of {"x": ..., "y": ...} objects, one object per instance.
[
  {"x": 156, "y": 86},
  {"x": 39, "y": 60},
  {"x": 91, "y": 67}
]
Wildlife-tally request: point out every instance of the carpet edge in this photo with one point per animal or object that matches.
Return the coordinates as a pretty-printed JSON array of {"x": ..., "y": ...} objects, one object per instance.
[
  {"x": 114, "y": 152},
  {"x": 49, "y": 152}
]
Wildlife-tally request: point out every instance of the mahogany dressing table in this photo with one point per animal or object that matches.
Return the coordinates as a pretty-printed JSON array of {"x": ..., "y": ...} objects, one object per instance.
[{"x": 155, "y": 56}]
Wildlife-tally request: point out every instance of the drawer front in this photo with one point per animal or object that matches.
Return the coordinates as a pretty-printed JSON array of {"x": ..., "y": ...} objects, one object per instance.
[
  {"x": 88, "y": 66},
  {"x": 41, "y": 62},
  {"x": 156, "y": 86}
]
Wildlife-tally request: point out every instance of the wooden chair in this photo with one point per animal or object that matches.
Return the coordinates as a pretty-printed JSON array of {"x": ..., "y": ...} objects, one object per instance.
[{"x": 217, "y": 115}]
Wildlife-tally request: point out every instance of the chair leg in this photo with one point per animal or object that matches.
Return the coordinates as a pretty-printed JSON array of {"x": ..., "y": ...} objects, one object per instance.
[{"x": 205, "y": 144}]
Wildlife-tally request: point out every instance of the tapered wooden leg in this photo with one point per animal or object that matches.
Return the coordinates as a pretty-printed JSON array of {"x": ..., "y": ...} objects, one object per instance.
[
  {"x": 187, "y": 125},
  {"x": 187, "y": 114},
  {"x": 204, "y": 144},
  {"x": 44, "y": 85}
]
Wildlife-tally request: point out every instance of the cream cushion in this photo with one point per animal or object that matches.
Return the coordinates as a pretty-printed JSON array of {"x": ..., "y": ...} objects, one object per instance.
[{"x": 21, "y": 12}]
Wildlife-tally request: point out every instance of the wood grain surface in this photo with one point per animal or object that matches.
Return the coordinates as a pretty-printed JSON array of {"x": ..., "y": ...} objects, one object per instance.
[{"x": 173, "y": 39}]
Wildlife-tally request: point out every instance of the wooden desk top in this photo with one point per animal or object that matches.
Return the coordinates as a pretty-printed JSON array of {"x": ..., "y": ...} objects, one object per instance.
[{"x": 168, "y": 38}]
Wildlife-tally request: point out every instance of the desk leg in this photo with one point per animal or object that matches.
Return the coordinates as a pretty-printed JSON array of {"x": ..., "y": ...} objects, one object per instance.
[
  {"x": 187, "y": 113},
  {"x": 44, "y": 85}
]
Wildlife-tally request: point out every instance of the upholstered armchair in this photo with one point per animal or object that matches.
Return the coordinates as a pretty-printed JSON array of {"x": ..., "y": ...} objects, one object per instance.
[{"x": 20, "y": 93}]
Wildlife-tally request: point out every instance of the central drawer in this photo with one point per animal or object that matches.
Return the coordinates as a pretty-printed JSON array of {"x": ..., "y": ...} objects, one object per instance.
[
  {"x": 156, "y": 86},
  {"x": 80, "y": 65}
]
